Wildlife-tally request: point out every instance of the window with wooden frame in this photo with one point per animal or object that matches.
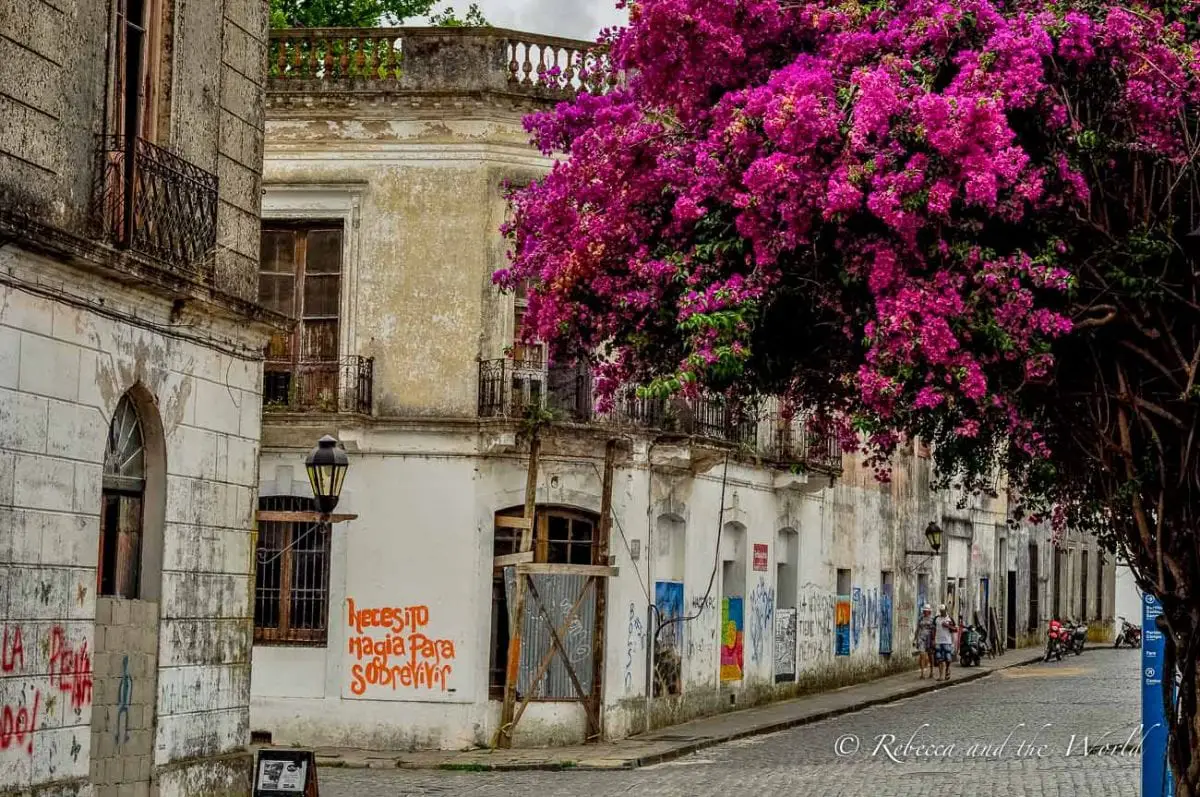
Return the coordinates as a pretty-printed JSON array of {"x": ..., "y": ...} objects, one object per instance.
[
  {"x": 119, "y": 570},
  {"x": 531, "y": 355},
  {"x": 561, "y": 536},
  {"x": 291, "y": 582},
  {"x": 300, "y": 275},
  {"x": 140, "y": 70}
]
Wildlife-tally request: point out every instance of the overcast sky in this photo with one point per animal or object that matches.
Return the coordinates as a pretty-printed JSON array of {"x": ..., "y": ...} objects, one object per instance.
[{"x": 579, "y": 19}]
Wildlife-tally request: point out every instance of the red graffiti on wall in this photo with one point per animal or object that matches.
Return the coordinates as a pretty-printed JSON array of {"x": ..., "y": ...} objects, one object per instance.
[
  {"x": 17, "y": 721},
  {"x": 70, "y": 669},
  {"x": 17, "y": 724},
  {"x": 12, "y": 655},
  {"x": 70, "y": 672}
]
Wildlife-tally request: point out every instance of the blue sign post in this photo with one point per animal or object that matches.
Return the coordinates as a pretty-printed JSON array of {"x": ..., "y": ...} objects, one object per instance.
[{"x": 1157, "y": 778}]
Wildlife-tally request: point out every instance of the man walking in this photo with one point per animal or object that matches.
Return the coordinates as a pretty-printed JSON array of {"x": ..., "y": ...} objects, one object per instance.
[{"x": 944, "y": 642}]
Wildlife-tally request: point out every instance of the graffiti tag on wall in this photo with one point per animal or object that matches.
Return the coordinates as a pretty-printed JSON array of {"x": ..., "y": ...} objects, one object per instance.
[
  {"x": 70, "y": 672},
  {"x": 814, "y": 623},
  {"x": 393, "y": 650},
  {"x": 762, "y": 611}
]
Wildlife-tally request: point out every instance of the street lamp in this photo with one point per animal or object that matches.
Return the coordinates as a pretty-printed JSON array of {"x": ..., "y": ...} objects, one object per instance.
[
  {"x": 326, "y": 465},
  {"x": 933, "y": 533}
]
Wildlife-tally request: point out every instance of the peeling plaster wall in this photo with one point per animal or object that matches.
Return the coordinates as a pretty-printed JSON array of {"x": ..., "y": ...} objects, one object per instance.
[
  {"x": 426, "y": 492},
  {"x": 431, "y": 201},
  {"x": 63, "y": 368}
]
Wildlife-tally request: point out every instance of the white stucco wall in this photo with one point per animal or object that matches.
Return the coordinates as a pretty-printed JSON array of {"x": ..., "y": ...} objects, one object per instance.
[
  {"x": 426, "y": 496},
  {"x": 1128, "y": 598},
  {"x": 64, "y": 365}
]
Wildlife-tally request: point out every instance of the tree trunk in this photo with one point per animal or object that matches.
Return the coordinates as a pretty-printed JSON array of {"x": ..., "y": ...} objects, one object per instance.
[{"x": 1182, "y": 721}]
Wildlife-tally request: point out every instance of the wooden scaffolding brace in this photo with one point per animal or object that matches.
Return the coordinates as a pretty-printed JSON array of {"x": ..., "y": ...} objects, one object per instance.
[{"x": 525, "y": 566}]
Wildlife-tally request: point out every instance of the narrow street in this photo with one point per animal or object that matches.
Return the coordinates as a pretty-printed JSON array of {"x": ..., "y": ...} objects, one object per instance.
[{"x": 950, "y": 742}]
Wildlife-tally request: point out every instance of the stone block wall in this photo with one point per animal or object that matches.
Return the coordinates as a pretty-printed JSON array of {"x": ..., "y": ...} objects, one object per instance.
[
  {"x": 64, "y": 366},
  {"x": 125, "y": 670}
]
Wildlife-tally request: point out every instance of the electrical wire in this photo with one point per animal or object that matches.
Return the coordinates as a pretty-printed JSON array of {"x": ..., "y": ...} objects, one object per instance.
[{"x": 712, "y": 577}]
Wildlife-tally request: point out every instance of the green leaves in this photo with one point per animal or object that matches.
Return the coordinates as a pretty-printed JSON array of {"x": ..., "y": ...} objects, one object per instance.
[{"x": 345, "y": 13}]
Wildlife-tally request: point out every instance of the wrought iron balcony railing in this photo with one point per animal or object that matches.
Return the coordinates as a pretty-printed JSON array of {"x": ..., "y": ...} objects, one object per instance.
[
  {"x": 155, "y": 203},
  {"x": 519, "y": 389},
  {"x": 794, "y": 441},
  {"x": 337, "y": 386}
]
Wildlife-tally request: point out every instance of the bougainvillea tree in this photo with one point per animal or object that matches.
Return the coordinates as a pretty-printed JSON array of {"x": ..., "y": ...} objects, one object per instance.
[{"x": 964, "y": 220}]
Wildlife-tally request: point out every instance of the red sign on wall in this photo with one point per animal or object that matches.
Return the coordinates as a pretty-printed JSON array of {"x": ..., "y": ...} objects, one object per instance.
[{"x": 760, "y": 556}]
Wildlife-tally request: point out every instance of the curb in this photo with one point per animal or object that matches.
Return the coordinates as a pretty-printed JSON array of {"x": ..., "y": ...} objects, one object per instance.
[{"x": 682, "y": 750}]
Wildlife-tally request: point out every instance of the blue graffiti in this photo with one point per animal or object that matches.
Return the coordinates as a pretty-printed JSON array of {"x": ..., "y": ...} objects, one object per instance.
[
  {"x": 124, "y": 698},
  {"x": 856, "y": 616},
  {"x": 762, "y": 611},
  {"x": 885, "y": 621},
  {"x": 635, "y": 640}
]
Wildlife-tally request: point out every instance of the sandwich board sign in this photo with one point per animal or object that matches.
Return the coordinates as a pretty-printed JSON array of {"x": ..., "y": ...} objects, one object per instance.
[{"x": 285, "y": 773}]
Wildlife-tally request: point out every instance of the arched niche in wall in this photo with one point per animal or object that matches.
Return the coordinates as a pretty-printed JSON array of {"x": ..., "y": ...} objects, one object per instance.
[
  {"x": 787, "y": 568},
  {"x": 670, "y": 554}
]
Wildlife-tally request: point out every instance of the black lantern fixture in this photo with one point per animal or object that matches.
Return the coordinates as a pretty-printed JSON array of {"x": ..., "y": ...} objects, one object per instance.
[
  {"x": 933, "y": 533},
  {"x": 326, "y": 466}
]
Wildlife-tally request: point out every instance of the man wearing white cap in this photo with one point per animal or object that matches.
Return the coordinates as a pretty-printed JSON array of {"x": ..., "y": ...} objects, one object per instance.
[{"x": 943, "y": 642}]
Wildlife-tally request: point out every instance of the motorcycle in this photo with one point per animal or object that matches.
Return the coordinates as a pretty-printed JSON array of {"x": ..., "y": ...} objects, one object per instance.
[
  {"x": 1055, "y": 641},
  {"x": 1130, "y": 634},
  {"x": 972, "y": 647},
  {"x": 1076, "y": 637}
]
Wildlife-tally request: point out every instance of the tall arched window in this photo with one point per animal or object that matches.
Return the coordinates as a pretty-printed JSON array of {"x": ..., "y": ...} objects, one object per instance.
[{"x": 124, "y": 488}]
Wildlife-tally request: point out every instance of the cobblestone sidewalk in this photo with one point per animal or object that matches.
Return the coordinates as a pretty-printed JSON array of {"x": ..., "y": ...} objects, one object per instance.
[{"x": 666, "y": 744}]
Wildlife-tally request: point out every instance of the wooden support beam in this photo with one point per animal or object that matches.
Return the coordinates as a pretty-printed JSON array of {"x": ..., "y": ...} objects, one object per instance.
[
  {"x": 545, "y": 568},
  {"x": 508, "y": 560},
  {"x": 268, "y": 516},
  {"x": 596, "y": 715},
  {"x": 504, "y": 734},
  {"x": 513, "y": 522}
]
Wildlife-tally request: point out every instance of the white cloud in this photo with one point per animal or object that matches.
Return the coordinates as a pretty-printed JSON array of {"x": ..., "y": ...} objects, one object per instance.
[{"x": 578, "y": 19}]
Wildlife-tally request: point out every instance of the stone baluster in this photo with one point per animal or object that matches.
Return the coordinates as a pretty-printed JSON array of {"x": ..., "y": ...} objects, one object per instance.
[{"x": 527, "y": 67}]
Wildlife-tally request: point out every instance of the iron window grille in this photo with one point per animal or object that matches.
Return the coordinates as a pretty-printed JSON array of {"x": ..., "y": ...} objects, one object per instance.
[{"x": 291, "y": 580}]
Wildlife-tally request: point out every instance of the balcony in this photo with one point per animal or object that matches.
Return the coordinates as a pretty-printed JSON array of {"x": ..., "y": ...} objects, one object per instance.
[
  {"x": 522, "y": 389},
  {"x": 154, "y": 203},
  {"x": 425, "y": 62},
  {"x": 344, "y": 386},
  {"x": 793, "y": 441}
]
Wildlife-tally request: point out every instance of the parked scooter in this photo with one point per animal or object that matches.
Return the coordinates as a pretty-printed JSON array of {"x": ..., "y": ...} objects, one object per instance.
[
  {"x": 1129, "y": 634},
  {"x": 972, "y": 647},
  {"x": 1076, "y": 637},
  {"x": 1055, "y": 641}
]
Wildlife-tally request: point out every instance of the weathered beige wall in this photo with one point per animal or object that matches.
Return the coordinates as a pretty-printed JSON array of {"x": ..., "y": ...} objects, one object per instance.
[{"x": 428, "y": 243}]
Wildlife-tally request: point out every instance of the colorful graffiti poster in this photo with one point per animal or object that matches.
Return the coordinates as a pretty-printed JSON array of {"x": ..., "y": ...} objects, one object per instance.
[
  {"x": 785, "y": 645},
  {"x": 668, "y": 651},
  {"x": 841, "y": 621},
  {"x": 733, "y": 638}
]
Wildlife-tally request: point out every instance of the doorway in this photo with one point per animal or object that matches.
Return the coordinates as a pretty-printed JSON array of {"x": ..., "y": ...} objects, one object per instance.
[{"x": 1010, "y": 614}]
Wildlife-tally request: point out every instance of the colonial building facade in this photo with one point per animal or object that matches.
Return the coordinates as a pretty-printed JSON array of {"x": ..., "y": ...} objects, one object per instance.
[
  {"x": 130, "y": 393},
  {"x": 684, "y": 558}
]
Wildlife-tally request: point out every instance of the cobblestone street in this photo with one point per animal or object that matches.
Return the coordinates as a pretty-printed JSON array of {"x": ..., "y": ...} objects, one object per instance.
[{"x": 1020, "y": 731}]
